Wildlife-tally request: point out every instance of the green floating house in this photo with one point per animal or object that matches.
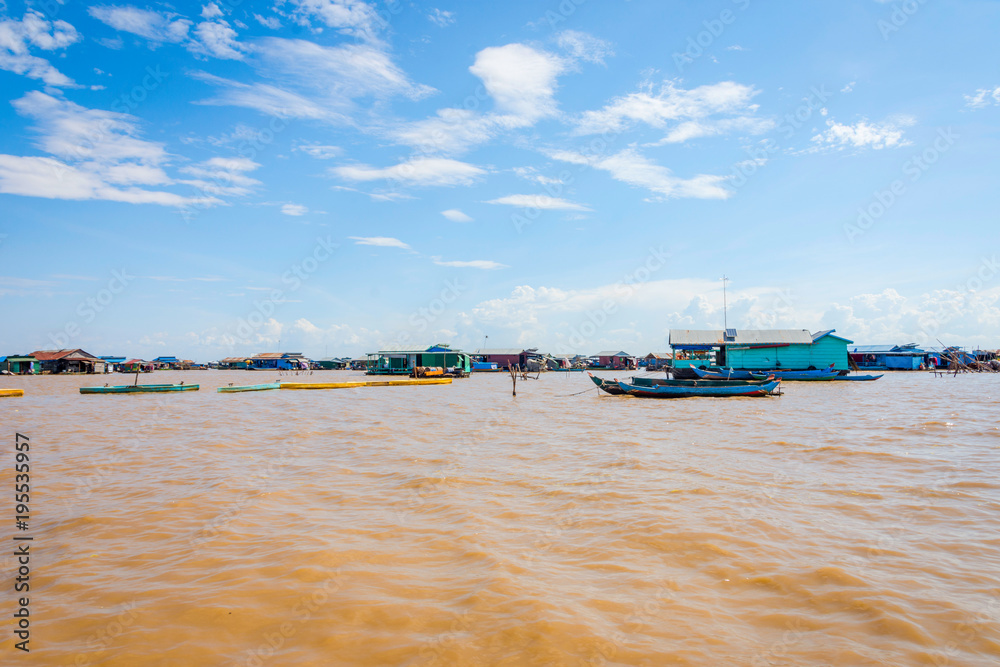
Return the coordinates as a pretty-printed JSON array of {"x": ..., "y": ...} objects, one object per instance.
[
  {"x": 21, "y": 365},
  {"x": 758, "y": 349},
  {"x": 402, "y": 362}
]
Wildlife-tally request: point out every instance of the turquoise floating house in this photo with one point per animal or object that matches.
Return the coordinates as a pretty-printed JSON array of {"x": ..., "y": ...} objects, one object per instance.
[
  {"x": 752, "y": 349},
  {"x": 402, "y": 362}
]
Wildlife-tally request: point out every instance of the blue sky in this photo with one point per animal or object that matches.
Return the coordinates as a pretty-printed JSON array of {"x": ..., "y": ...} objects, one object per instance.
[{"x": 335, "y": 177}]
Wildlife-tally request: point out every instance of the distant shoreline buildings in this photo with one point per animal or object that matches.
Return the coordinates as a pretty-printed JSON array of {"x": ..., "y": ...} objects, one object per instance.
[{"x": 744, "y": 349}]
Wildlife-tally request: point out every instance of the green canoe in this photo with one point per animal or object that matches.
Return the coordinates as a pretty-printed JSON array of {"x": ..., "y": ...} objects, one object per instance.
[
  {"x": 138, "y": 388},
  {"x": 249, "y": 387}
]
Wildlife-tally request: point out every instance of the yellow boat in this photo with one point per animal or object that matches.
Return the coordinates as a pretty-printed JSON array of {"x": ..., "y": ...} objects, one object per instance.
[
  {"x": 11, "y": 392},
  {"x": 369, "y": 383}
]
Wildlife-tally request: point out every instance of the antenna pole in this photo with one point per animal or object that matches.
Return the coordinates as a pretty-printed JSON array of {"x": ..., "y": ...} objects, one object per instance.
[{"x": 725, "y": 317}]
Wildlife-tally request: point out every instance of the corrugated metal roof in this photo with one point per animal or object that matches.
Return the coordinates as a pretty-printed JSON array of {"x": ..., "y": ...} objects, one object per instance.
[
  {"x": 659, "y": 355},
  {"x": 52, "y": 355},
  {"x": 613, "y": 353},
  {"x": 870, "y": 349},
  {"x": 743, "y": 337},
  {"x": 500, "y": 350},
  {"x": 829, "y": 332}
]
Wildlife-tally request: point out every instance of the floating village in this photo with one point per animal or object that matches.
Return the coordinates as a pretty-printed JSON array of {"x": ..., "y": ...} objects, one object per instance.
[{"x": 714, "y": 363}]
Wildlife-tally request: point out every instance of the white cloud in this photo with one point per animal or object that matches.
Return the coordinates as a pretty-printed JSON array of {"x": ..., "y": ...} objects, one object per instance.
[
  {"x": 667, "y": 105},
  {"x": 154, "y": 26},
  {"x": 349, "y": 17},
  {"x": 520, "y": 79},
  {"x": 441, "y": 18},
  {"x": 272, "y": 22},
  {"x": 540, "y": 202},
  {"x": 216, "y": 39},
  {"x": 735, "y": 47},
  {"x": 582, "y": 46},
  {"x": 16, "y": 37},
  {"x": 317, "y": 82},
  {"x": 380, "y": 241},
  {"x": 848, "y": 88},
  {"x": 455, "y": 215},
  {"x": 319, "y": 151},
  {"x": 531, "y": 174},
  {"x": 73, "y": 132},
  {"x": 210, "y": 11},
  {"x": 223, "y": 176},
  {"x": 52, "y": 179},
  {"x": 629, "y": 166},
  {"x": 213, "y": 37},
  {"x": 483, "y": 264},
  {"x": 267, "y": 99},
  {"x": 955, "y": 316},
  {"x": 294, "y": 209},
  {"x": 984, "y": 97},
  {"x": 99, "y": 155},
  {"x": 693, "y": 129},
  {"x": 419, "y": 171},
  {"x": 862, "y": 134}
]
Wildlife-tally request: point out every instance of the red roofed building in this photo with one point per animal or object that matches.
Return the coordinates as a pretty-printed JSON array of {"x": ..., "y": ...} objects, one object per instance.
[{"x": 69, "y": 361}]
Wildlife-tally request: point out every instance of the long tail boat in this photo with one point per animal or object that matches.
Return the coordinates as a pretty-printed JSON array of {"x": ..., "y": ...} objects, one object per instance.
[
  {"x": 859, "y": 378},
  {"x": 728, "y": 374},
  {"x": 804, "y": 376},
  {"x": 11, "y": 392},
  {"x": 250, "y": 387},
  {"x": 138, "y": 388},
  {"x": 699, "y": 388},
  {"x": 613, "y": 387}
]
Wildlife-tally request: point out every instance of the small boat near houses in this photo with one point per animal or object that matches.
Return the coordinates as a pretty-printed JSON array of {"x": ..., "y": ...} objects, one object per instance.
[
  {"x": 822, "y": 375},
  {"x": 683, "y": 388},
  {"x": 138, "y": 388},
  {"x": 10, "y": 393},
  {"x": 709, "y": 388},
  {"x": 250, "y": 387},
  {"x": 859, "y": 378}
]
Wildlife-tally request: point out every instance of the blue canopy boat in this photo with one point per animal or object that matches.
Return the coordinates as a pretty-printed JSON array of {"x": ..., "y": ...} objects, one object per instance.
[
  {"x": 138, "y": 388},
  {"x": 701, "y": 388},
  {"x": 250, "y": 387}
]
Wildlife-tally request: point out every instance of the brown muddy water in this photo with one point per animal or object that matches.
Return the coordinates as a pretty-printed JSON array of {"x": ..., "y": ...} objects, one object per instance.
[{"x": 838, "y": 524}]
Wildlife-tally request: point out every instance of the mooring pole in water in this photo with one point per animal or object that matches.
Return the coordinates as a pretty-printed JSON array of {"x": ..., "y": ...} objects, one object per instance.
[{"x": 513, "y": 379}]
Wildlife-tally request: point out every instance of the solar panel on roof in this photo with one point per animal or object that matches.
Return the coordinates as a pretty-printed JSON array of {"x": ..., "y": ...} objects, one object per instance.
[{"x": 731, "y": 334}]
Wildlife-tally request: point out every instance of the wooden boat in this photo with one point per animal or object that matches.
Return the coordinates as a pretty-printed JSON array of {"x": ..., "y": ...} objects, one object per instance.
[
  {"x": 369, "y": 383},
  {"x": 814, "y": 375},
  {"x": 859, "y": 378},
  {"x": 697, "y": 388},
  {"x": 250, "y": 387},
  {"x": 612, "y": 386},
  {"x": 138, "y": 388},
  {"x": 728, "y": 374},
  {"x": 11, "y": 392}
]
